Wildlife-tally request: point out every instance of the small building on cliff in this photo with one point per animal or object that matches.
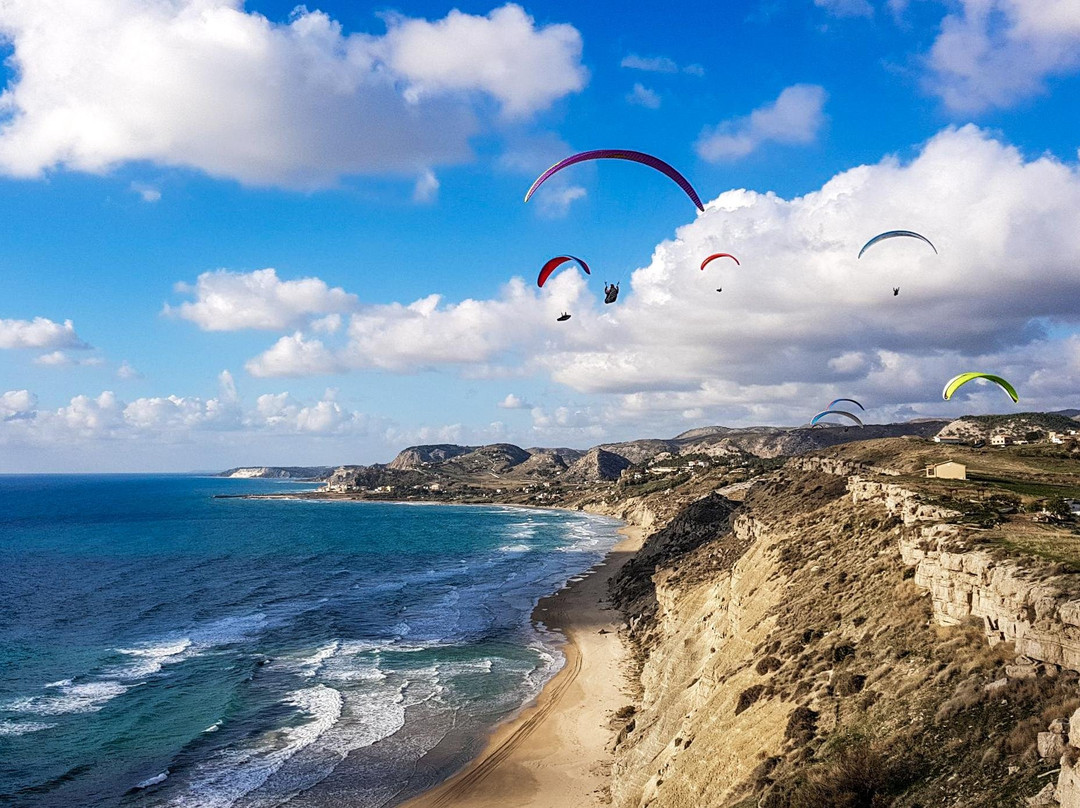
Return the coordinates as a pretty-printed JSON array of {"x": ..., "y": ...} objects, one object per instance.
[{"x": 948, "y": 471}]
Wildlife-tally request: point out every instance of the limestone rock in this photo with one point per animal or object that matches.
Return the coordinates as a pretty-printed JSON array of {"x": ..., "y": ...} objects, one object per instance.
[
  {"x": 1044, "y": 799},
  {"x": 1051, "y": 745}
]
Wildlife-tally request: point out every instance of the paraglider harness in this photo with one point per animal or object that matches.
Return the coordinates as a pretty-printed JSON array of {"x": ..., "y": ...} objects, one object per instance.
[{"x": 611, "y": 293}]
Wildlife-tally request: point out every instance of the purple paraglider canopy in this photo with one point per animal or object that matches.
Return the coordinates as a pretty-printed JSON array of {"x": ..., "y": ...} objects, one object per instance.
[{"x": 621, "y": 154}]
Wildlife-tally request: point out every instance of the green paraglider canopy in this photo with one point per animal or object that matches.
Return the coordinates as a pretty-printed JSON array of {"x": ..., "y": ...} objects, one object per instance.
[{"x": 956, "y": 382}]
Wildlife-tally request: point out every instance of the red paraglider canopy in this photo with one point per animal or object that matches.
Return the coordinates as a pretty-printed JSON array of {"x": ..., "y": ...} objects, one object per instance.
[
  {"x": 714, "y": 256},
  {"x": 557, "y": 262}
]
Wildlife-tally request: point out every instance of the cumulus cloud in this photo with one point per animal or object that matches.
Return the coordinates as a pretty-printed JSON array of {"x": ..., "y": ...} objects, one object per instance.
[
  {"x": 991, "y": 53},
  {"x": 206, "y": 85},
  {"x": 803, "y": 320},
  {"x": 795, "y": 117},
  {"x": 106, "y": 417},
  {"x": 127, "y": 372},
  {"x": 659, "y": 64},
  {"x": 230, "y": 301},
  {"x": 427, "y": 333},
  {"x": 503, "y": 54},
  {"x": 642, "y": 96},
  {"x": 41, "y": 333},
  {"x": 17, "y": 405},
  {"x": 514, "y": 402},
  {"x": 846, "y": 8}
]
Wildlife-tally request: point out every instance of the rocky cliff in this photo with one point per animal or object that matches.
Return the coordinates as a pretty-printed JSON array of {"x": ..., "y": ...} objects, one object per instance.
[
  {"x": 844, "y": 637},
  {"x": 279, "y": 472}
]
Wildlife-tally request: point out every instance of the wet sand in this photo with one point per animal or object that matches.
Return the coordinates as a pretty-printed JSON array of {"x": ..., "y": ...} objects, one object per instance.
[{"x": 557, "y": 752}]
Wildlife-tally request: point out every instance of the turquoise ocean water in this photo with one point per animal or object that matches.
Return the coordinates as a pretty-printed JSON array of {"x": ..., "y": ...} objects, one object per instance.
[{"x": 162, "y": 648}]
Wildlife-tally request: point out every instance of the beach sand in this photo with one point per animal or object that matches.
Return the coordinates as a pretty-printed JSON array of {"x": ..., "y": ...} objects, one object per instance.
[{"x": 557, "y": 752}]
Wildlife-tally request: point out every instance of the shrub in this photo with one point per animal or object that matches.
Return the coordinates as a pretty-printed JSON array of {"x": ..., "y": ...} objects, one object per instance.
[
  {"x": 802, "y": 725},
  {"x": 768, "y": 664},
  {"x": 848, "y": 684},
  {"x": 748, "y": 697},
  {"x": 856, "y": 775}
]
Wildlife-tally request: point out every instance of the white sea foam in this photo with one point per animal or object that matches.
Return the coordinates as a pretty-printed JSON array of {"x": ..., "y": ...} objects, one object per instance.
[
  {"x": 515, "y": 548},
  {"x": 151, "y": 658},
  {"x": 213, "y": 727},
  {"x": 368, "y": 716},
  {"x": 14, "y": 728},
  {"x": 309, "y": 666},
  {"x": 153, "y": 781},
  {"x": 88, "y": 697},
  {"x": 226, "y": 777}
]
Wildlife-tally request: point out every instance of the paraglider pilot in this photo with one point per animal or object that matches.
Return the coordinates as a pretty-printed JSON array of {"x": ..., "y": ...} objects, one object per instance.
[
  {"x": 611, "y": 292},
  {"x": 895, "y": 291}
]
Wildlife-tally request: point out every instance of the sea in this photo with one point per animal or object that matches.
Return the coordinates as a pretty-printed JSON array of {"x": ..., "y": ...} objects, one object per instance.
[{"x": 161, "y": 647}]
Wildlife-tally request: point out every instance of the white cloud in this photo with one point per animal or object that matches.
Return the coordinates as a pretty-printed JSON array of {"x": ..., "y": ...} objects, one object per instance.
[
  {"x": 17, "y": 405},
  {"x": 795, "y": 117},
  {"x": 426, "y": 188},
  {"x": 503, "y": 54},
  {"x": 514, "y": 402},
  {"x": 330, "y": 324},
  {"x": 54, "y": 359},
  {"x": 849, "y": 362},
  {"x": 127, "y": 372},
  {"x": 802, "y": 321},
  {"x": 566, "y": 424},
  {"x": 205, "y": 85},
  {"x": 554, "y": 203},
  {"x": 229, "y": 301},
  {"x": 642, "y": 96},
  {"x": 659, "y": 64},
  {"x": 295, "y": 355},
  {"x": 846, "y": 8},
  {"x": 41, "y": 333},
  {"x": 427, "y": 334},
  {"x": 992, "y": 53},
  {"x": 173, "y": 418},
  {"x": 148, "y": 193}
]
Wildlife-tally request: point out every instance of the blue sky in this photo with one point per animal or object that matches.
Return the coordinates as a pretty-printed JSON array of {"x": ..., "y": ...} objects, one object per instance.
[{"x": 381, "y": 152}]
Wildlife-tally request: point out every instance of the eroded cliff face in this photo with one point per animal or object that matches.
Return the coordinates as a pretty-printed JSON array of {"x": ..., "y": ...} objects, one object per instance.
[{"x": 837, "y": 640}]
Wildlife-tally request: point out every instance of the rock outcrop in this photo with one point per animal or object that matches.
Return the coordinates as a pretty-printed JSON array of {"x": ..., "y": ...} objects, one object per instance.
[
  {"x": 596, "y": 465},
  {"x": 416, "y": 457}
]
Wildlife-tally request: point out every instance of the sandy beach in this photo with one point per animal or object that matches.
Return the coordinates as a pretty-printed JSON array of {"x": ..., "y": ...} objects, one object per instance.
[{"x": 557, "y": 751}]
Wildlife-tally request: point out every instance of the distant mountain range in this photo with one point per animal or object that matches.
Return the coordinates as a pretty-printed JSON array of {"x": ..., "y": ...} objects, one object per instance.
[{"x": 435, "y": 467}]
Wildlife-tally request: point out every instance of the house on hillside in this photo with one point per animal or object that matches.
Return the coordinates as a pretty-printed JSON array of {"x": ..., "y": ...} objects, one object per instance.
[
  {"x": 1000, "y": 440},
  {"x": 949, "y": 441},
  {"x": 1055, "y": 437},
  {"x": 948, "y": 471}
]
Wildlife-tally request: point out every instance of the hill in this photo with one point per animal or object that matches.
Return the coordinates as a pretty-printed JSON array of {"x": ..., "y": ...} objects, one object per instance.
[{"x": 280, "y": 472}]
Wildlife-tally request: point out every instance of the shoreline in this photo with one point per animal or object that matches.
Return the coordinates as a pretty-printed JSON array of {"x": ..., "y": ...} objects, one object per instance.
[{"x": 556, "y": 751}]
